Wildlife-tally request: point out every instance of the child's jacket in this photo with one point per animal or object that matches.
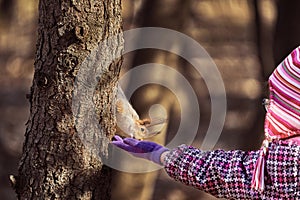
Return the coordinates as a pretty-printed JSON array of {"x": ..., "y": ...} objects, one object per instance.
[{"x": 228, "y": 174}]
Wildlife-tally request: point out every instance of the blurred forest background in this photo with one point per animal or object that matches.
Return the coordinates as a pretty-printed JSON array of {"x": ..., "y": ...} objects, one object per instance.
[{"x": 245, "y": 38}]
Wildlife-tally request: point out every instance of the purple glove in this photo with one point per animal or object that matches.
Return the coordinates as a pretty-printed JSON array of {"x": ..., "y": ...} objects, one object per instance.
[{"x": 141, "y": 149}]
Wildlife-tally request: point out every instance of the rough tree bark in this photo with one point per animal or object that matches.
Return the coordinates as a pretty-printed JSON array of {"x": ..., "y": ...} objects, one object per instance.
[{"x": 59, "y": 158}]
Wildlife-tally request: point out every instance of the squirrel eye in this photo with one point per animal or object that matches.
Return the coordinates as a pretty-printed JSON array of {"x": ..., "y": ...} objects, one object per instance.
[{"x": 142, "y": 129}]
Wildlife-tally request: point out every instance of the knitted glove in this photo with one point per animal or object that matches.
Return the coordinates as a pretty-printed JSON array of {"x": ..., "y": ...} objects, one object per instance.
[{"x": 141, "y": 149}]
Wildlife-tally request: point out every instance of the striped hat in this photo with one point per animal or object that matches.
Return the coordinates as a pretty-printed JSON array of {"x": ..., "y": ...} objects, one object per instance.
[{"x": 283, "y": 116}]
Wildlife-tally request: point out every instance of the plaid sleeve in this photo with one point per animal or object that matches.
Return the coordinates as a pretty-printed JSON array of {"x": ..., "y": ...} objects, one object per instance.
[{"x": 224, "y": 174}]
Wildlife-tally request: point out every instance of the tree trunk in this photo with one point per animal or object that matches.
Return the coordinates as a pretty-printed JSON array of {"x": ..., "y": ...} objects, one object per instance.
[
  {"x": 286, "y": 36},
  {"x": 133, "y": 186},
  {"x": 76, "y": 70}
]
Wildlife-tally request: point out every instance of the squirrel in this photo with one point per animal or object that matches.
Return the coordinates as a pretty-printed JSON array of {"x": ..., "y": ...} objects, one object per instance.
[{"x": 129, "y": 122}]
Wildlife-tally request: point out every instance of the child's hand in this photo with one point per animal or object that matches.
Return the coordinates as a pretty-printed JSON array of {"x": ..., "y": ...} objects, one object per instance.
[{"x": 142, "y": 149}]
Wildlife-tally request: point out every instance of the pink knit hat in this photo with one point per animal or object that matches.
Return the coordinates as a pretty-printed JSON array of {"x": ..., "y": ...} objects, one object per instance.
[{"x": 283, "y": 117}]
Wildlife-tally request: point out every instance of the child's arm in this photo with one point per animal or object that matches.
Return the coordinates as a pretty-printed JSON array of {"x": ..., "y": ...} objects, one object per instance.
[{"x": 225, "y": 174}]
